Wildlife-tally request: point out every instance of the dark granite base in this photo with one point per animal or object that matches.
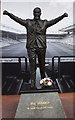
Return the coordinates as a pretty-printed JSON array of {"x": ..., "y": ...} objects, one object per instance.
[{"x": 26, "y": 89}]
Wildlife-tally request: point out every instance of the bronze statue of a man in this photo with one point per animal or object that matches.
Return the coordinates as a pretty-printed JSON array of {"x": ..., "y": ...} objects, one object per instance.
[{"x": 36, "y": 39}]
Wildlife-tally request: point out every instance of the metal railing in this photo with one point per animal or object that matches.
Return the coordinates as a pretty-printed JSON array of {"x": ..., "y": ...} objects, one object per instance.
[
  {"x": 59, "y": 61},
  {"x": 19, "y": 60}
]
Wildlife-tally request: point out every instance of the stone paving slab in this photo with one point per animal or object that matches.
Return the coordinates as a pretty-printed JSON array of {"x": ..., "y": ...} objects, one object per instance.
[{"x": 40, "y": 105}]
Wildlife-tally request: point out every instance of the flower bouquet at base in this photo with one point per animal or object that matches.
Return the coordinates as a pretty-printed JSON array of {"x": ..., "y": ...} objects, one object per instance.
[{"x": 46, "y": 82}]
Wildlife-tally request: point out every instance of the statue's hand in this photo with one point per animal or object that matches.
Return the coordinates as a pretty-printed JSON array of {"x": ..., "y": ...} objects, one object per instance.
[
  {"x": 5, "y": 12},
  {"x": 65, "y": 15}
]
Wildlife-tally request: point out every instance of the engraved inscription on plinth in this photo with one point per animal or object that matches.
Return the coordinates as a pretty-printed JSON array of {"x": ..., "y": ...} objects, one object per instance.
[{"x": 40, "y": 105}]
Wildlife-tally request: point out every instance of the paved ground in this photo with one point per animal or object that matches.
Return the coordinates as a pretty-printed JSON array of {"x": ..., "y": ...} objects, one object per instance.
[{"x": 53, "y": 49}]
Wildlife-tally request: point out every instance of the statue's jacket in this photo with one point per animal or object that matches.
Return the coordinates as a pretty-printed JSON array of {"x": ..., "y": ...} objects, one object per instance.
[
  {"x": 36, "y": 33},
  {"x": 36, "y": 30}
]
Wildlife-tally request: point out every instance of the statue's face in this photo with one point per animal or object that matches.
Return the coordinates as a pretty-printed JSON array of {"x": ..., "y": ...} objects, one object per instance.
[{"x": 37, "y": 13}]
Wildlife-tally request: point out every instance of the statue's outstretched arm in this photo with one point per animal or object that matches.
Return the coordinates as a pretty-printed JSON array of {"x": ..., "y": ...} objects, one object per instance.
[
  {"x": 15, "y": 18},
  {"x": 56, "y": 20}
]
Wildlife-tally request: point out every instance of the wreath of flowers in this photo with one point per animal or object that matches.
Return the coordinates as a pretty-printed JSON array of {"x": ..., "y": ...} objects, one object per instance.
[{"x": 46, "y": 82}]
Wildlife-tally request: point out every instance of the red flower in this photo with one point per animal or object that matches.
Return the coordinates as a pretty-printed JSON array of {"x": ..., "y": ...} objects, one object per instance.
[
  {"x": 46, "y": 80},
  {"x": 42, "y": 83},
  {"x": 50, "y": 80}
]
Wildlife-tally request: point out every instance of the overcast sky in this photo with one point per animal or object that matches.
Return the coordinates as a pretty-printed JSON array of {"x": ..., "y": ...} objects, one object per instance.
[{"x": 50, "y": 10}]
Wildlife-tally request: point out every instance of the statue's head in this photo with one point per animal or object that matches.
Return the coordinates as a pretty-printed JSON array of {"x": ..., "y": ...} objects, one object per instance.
[{"x": 37, "y": 13}]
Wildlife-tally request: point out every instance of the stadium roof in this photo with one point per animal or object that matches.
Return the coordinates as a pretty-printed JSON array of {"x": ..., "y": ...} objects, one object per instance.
[
  {"x": 8, "y": 28},
  {"x": 70, "y": 28}
]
